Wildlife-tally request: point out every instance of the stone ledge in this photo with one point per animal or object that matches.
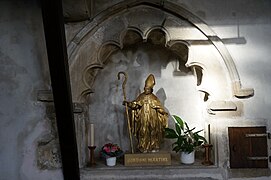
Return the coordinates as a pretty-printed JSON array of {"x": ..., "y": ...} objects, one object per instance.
[
  {"x": 150, "y": 173},
  {"x": 197, "y": 171},
  {"x": 180, "y": 172}
]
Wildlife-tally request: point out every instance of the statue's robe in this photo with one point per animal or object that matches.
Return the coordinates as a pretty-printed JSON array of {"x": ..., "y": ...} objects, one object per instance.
[{"x": 149, "y": 121}]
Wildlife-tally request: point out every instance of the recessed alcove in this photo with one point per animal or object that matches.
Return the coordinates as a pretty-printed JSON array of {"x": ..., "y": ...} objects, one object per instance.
[
  {"x": 195, "y": 78},
  {"x": 175, "y": 87}
]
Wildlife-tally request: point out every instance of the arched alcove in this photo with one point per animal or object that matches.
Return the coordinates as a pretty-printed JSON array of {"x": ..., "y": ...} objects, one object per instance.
[
  {"x": 112, "y": 42},
  {"x": 175, "y": 87}
]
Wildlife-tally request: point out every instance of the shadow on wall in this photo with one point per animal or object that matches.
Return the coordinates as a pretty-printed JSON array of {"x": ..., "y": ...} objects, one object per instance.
[{"x": 176, "y": 91}]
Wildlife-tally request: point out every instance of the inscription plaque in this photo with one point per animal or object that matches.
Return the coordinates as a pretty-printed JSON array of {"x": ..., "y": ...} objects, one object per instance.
[{"x": 147, "y": 159}]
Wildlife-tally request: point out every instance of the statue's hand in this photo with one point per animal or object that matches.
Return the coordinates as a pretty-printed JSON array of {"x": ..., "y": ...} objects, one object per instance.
[
  {"x": 125, "y": 103},
  {"x": 161, "y": 111}
]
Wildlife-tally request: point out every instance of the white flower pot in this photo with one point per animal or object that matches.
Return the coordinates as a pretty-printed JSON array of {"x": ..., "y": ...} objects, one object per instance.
[
  {"x": 187, "y": 158},
  {"x": 111, "y": 161}
]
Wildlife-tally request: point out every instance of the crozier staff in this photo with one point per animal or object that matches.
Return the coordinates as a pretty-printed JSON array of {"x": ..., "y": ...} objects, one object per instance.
[{"x": 126, "y": 109}]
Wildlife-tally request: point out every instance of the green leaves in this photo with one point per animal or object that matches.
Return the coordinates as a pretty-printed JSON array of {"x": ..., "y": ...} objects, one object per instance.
[
  {"x": 186, "y": 139},
  {"x": 178, "y": 129},
  {"x": 178, "y": 121},
  {"x": 170, "y": 133}
]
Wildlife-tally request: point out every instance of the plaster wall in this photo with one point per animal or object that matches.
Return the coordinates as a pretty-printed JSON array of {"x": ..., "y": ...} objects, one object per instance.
[
  {"x": 23, "y": 71},
  {"x": 251, "y": 21}
]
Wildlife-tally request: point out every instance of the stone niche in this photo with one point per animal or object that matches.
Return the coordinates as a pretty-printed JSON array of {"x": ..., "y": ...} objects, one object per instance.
[
  {"x": 175, "y": 87},
  {"x": 195, "y": 78}
]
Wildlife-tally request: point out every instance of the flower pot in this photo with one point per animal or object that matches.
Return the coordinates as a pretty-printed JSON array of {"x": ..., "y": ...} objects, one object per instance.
[
  {"x": 111, "y": 161},
  {"x": 187, "y": 158}
]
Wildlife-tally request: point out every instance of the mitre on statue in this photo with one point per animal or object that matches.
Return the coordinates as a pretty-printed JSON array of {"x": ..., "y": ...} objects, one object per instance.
[{"x": 150, "y": 81}]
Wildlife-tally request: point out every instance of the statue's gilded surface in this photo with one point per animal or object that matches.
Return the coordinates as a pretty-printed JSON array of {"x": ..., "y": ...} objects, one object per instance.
[{"x": 149, "y": 118}]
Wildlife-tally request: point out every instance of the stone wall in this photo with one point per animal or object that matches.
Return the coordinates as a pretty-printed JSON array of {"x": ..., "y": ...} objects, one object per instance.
[
  {"x": 23, "y": 72},
  {"x": 244, "y": 28}
]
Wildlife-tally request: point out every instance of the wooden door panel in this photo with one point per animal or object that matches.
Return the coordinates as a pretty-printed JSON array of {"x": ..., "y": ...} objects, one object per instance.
[{"x": 245, "y": 149}]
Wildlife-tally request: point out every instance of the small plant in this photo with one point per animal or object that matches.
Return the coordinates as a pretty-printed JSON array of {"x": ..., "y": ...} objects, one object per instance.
[
  {"x": 186, "y": 139},
  {"x": 111, "y": 150}
]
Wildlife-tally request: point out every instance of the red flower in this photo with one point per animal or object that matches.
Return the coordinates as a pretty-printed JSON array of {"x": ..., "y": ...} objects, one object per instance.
[
  {"x": 107, "y": 149},
  {"x": 111, "y": 150}
]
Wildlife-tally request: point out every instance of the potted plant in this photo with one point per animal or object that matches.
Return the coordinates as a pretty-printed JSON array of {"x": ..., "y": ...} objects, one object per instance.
[
  {"x": 187, "y": 141},
  {"x": 111, "y": 152}
]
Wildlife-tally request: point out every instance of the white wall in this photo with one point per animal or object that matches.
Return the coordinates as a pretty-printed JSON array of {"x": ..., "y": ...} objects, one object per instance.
[
  {"x": 253, "y": 58},
  {"x": 252, "y": 21}
]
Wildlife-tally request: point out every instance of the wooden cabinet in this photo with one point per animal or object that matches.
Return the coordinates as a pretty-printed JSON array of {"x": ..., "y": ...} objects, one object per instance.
[{"x": 248, "y": 147}]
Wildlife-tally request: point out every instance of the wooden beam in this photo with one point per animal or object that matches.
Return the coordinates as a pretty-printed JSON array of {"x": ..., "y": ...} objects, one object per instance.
[{"x": 58, "y": 63}]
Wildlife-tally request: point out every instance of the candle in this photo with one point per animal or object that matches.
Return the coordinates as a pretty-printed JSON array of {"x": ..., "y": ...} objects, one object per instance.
[
  {"x": 209, "y": 134},
  {"x": 91, "y": 135}
]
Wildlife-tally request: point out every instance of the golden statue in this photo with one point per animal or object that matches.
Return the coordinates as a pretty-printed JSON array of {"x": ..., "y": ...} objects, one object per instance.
[{"x": 149, "y": 118}]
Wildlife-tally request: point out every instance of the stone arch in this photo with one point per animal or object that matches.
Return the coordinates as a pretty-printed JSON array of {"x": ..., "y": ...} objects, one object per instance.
[
  {"x": 181, "y": 48},
  {"x": 130, "y": 36},
  {"x": 157, "y": 35},
  {"x": 106, "y": 50},
  {"x": 106, "y": 44}
]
